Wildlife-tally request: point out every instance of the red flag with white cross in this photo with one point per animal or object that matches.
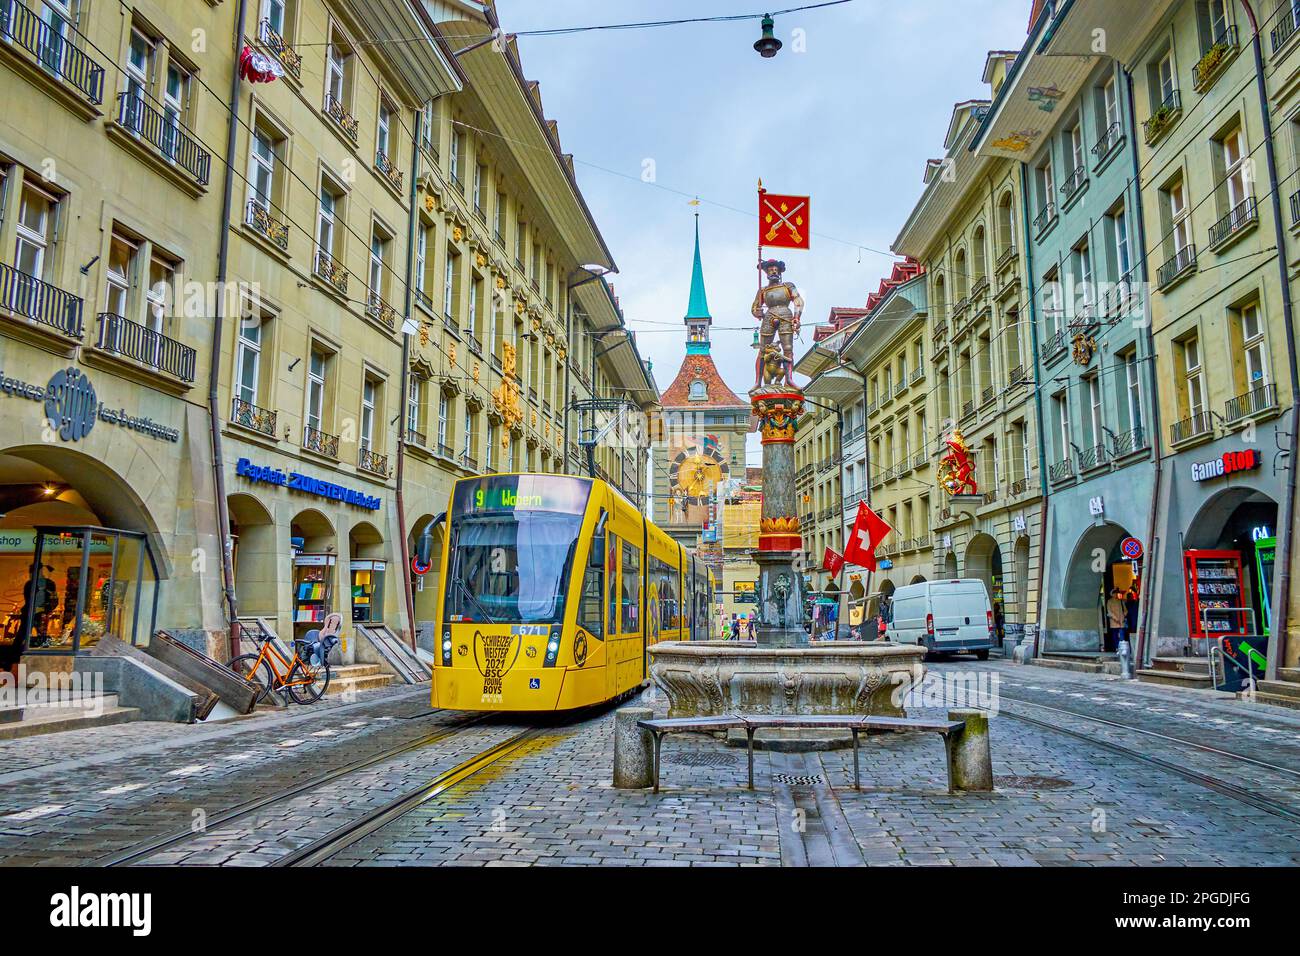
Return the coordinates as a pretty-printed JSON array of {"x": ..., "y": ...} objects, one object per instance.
[{"x": 869, "y": 529}]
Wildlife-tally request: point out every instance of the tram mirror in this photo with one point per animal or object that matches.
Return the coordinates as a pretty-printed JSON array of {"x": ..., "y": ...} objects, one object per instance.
[
  {"x": 596, "y": 558},
  {"x": 424, "y": 548}
]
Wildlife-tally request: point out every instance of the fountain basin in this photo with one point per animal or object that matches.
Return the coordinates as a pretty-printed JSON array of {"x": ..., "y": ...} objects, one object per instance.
[{"x": 710, "y": 678}]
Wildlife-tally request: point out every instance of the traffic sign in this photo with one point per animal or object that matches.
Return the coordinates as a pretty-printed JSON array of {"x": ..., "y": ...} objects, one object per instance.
[
  {"x": 1131, "y": 548},
  {"x": 420, "y": 567}
]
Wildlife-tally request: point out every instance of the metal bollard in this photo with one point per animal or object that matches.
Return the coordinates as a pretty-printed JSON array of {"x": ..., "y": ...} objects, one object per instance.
[
  {"x": 970, "y": 761},
  {"x": 633, "y": 749}
]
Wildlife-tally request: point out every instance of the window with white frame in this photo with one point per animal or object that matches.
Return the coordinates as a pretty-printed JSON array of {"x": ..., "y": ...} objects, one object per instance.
[
  {"x": 248, "y": 359},
  {"x": 1179, "y": 217},
  {"x": 1166, "y": 80},
  {"x": 1254, "y": 349},
  {"x": 35, "y": 231},
  {"x": 1095, "y": 420},
  {"x": 1193, "y": 377},
  {"x": 176, "y": 91},
  {"x": 316, "y": 390},
  {"x": 338, "y": 66},
  {"x": 1235, "y": 177},
  {"x": 121, "y": 265},
  {"x": 1109, "y": 103},
  {"x": 415, "y": 387},
  {"x": 1065, "y": 432},
  {"x": 1133, "y": 389},
  {"x": 383, "y": 148},
  {"x": 326, "y": 220},
  {"x": 444, "y": 413},
  {"x": 449, "y": 284},
  {"x": 261, "y": 169},
  {"x": 368, "y": 390}
]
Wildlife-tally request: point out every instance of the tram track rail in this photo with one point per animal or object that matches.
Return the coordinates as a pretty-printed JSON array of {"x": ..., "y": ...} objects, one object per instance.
[
  {"x": 1250, "y": 797},
  {"x": 331, "y": 844},
  {"x": 142, "y": 851}
]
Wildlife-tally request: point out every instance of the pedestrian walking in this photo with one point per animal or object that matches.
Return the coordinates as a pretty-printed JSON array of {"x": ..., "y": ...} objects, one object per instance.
[
  {"x": 750, "y": 626},
  {"x": 735, "y": 628},
  {"x": 1116, "y": 618}
]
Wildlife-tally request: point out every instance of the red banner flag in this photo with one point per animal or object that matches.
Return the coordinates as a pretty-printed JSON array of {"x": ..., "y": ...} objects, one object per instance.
[
  {"x": 869, "y": 529},
  {"x": 783, "y": 221},
  {"x": 832, "y": 562}
]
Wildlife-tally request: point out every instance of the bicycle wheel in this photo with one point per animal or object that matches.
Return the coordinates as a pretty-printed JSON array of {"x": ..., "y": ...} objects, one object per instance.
[
  {"x": 306, "y": 684},
  {"x": 246, "y": 666}
]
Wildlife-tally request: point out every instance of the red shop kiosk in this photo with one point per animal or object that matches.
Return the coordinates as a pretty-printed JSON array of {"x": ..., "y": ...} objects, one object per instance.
[{"x": 1213, "y": 581}]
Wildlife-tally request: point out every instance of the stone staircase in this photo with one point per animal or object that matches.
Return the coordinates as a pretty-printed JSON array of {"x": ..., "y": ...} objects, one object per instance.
[
  {"x": 1187, "y": 672},
  {"x": 77, "y": 712},
  {"x": 1284, "y": 692},
  {"x": 357, "y": 677},
  {"x": 1085, "y": 662}
]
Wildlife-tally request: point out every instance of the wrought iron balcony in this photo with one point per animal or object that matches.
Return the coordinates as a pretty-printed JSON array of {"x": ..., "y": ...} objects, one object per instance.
[
  {"x": 980, "y": 286},
  {"x": 416, "y": 437},
  {"x": 1164, "y": 117},
  {"x": 258, "y": 218},
  {"x": 336, "y": 111},
  {"x": 1061, "y": 470},
  {"x": 918, "y": 460},
  {"x": 476, "y": 345},
  {"x": 388, "y": 170},
  {"x": 280, "y": 48},
  {"x": 968, "y": 408},
  {"x": 30, "y": 298},
  {"x": 1131, "y": 441},
  {"x": 1287, "y": 24},
  {"x": 1244, "y": 214},
  {"x": 373, "y": 462},
  {"x": 1046, "y": 216},
  {"x": 1018, "y": 487},
  {"x": 918, "y": 373},
  {"x": 164, "y": 133},
  {"x": 987, "y": 395},
  {"x": 1295, "y": 208},
  {"x": 1191, "y": 427},
  {"x": 23, "y": 29},
  {"x": 446, "y": 451},
  {"x": 1093, "y": 457},
  {"x": 900, "y": 388},
  {"x": 456, "y": 181},
  {"x": 941, "y": 328},
  {"x": 252, "y": 416},
  {"x": 479, "y": 212},
  {"x": 121, "y": 336},
  {"x": 1211, "y": 64},
  {"x": 1260, "y": 399},
  {"x": 331, "y": 271},
  {"x": 988, "y": 497},
  {"x": 380, "y": 311},
  {"x": 313, "y": 439},
  {"x": 1107, "y": 141},
  {"x": 1074, "y": 182},
  {"x": 1182, "y": 264},
  {"x": 1053, "y": 344},
  {"x": 468, "y": 461},
  {"x": 1018, "y": 375}
]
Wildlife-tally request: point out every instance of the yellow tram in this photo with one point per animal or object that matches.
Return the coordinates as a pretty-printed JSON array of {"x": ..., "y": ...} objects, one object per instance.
[{"x": 553, "y": 587}]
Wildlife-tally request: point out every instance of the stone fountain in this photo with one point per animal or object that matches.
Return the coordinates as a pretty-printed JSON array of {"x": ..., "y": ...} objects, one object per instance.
[{"x": 782, "y": 671}]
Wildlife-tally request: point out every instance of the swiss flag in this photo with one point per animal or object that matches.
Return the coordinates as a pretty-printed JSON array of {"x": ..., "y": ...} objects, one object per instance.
[
  {"x": 832, "y": 562},
  {"x": 869, "y": 529}
]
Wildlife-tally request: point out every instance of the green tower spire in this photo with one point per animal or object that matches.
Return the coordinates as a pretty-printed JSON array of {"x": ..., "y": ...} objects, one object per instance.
[{"x": 697, "y": 317}]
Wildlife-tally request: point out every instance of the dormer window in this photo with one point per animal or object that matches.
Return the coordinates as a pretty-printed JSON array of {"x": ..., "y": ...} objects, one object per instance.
[{"x": 699, "y": 391}]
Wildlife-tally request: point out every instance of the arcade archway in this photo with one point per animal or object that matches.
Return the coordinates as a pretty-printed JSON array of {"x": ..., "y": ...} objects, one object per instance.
[
  {"x": 1096, "y": 569},
  {"x": 1229, "y": 549}
]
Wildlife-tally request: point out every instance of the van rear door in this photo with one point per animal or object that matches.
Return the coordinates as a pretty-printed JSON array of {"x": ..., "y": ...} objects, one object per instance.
[{"x": 960, "y": 610}]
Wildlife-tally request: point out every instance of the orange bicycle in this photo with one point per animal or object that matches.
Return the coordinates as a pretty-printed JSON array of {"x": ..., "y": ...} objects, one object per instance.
[{"x": 303, "y": 679}]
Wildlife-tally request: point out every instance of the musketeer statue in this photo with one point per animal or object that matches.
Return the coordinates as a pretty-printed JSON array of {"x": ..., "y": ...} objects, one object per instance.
[{"x": 778, "y": 307}]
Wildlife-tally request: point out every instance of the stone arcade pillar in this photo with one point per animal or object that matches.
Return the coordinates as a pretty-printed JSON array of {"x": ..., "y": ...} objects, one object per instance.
[{"x": 780, "y": 544}]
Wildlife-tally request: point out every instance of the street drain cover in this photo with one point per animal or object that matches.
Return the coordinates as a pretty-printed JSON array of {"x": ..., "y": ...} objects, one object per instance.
[
  {"x": 689, "y": 759},
  {"x": 1031, "y": 783},
  {"x": 798, "y": 780}
]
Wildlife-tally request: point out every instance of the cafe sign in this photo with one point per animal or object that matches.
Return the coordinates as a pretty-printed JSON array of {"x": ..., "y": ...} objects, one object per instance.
[{"x": 1231, "y": 461}]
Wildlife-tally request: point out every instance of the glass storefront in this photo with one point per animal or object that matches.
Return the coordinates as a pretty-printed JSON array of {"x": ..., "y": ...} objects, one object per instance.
[{"x": 63, "y": 589}]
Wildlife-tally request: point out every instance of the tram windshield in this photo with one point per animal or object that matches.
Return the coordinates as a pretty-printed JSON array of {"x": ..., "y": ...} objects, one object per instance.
[{"x": 513, "y": 542}]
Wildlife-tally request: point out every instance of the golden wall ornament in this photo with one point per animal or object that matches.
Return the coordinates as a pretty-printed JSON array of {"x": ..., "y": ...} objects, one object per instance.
[
  {"x": 956, "y": 469},
  {"x": 480, "y": 259},
  {"x": 475, "y": 372},
  {"x": 451, "y": 353},
  {"x": 508, "y": 360},
  {"x": 501, "y": 282},
  {"x": 456, "y": 234},
  {"x": 429, "y": 203},
  {"x": 1085, "y": 346}
]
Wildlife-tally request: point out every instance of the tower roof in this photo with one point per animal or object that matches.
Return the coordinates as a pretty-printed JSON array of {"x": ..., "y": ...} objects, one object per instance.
[{"x": 698, "y": 307}]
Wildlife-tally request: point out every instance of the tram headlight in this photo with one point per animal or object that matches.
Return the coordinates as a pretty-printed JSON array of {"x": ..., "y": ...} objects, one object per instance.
[
  {"x": 446, "y": 648},
  {"x": 552, "y": 648}
]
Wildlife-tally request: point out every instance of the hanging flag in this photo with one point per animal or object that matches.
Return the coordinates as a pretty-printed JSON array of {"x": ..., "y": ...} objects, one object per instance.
[
  {"x": 257, "y": 67},
  {"x": 869, "y": 529},
  {"x": 832, "y": 562},
  {"x": 783, "y": 221}
]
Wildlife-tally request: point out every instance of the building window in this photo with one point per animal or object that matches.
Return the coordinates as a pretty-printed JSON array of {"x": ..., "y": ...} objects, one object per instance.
[
  {"x": 444, "y": 413},
  {"x": 261, "y": 169},
  {"x": 329, "y": 239},
  {"x": 316, "y": 390},
  {"x": 1132, "y": 389},
  {"x": 1166, "y": 84},
  {"x": 1109, "y": 103},
  {"x": 378, "y": 274},
  {"x": 489, "y": 453},
  {"x": 1065, "y": 431},
  {"x": 1179, "y": 217},
  {"x": 248, "y": 359},
  {"x": 422, "y": 262},
  {"x": 449, "y": 284},
  {"x": 1255, "y": 351},
  {"x": 35, "y": 228},
  {"x": 1236, "y": 182},
  {"x": 415, "y": 387},
  {"x": 121, "y": 268},
  {"x": 699, "y": 391},
  {"x": 453, "y": 155},
  {"x": 338, "y": 71},
  {"x": 368, "y": 401},
  {"x": 1193, "y": 378}
]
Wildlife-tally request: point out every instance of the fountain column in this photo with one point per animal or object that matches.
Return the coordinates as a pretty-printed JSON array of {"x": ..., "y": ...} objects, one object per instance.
[{"x": 780, "y": 543}]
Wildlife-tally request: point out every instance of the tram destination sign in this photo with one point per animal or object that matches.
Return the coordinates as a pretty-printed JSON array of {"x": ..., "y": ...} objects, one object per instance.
[
  {"x": 306, "y": 484},
  {"x": 72, "y": 407}
]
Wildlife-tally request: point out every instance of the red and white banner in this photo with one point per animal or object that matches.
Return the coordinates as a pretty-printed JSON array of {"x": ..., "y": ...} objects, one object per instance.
[
  {"x": 869, "y": 529},
  {"x": 783, "y": 221},
  {"x": 832, "y": 562}
]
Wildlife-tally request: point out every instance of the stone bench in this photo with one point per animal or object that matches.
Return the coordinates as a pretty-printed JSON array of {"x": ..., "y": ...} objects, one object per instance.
[{"x": 969, "y": 764}]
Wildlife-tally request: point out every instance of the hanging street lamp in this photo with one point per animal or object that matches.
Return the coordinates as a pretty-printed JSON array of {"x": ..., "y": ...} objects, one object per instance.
[{"x": 767, "y": 45}]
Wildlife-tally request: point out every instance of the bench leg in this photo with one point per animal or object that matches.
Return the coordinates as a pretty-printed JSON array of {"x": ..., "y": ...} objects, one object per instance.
[
  {"x": 857, "y": 776},
  {"x": 749, "y": 743},
  {"x": 658, "y": 740},
  {"x": 950, "y": 748}
]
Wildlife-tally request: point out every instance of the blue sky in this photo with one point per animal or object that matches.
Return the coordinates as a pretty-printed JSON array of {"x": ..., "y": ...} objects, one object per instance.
[{"x": 850, "y": 121}]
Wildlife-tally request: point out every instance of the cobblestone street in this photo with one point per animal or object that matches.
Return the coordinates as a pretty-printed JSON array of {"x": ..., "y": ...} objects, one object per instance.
[{"x": 1213, "y": 781}]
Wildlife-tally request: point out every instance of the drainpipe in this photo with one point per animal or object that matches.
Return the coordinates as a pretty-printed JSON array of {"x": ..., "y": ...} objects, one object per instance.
[
  {"x": 1277, "y": 629},
  {"x": 407, "y": 305},
  {"x": 1032, "y": 297},
  {"x": 1141, "y": 650},
  {"x": 214, "y": 359}
]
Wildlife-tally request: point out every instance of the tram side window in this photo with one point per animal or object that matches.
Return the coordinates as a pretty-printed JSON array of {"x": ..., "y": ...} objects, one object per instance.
[
  {"x": 593, "y": 597},
  {"x": 669, "y": 607},
  {"x": 631, "y": 617},
  {"x": 611, "y": 578}
]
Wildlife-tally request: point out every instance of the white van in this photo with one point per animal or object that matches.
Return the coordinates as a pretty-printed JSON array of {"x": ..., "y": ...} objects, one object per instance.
[{"x": 949, "y": 616}]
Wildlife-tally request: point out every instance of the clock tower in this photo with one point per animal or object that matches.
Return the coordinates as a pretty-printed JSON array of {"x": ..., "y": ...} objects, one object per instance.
[{"x": 701, "y": 444}]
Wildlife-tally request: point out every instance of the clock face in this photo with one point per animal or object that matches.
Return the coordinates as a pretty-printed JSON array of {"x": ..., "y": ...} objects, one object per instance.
[{"x": 696, "y": 471}]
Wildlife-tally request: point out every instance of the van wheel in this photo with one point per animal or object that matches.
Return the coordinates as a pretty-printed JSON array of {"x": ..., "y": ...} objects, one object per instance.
[{"x": 981, "y": 655}]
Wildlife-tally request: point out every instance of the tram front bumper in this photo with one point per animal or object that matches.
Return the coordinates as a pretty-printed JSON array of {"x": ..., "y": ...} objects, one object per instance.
[{"x": 522, "y": 689}]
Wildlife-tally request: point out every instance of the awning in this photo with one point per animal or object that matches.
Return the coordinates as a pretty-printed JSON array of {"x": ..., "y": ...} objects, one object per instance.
[
  {"x": 836, "y": 386},
  {"x": 1031, "y": 104},
  {"x": 1125, "y": 26}
]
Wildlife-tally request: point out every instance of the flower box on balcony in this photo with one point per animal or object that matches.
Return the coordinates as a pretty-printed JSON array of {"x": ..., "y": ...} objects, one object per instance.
[
  {"x": 1163, "y": 119},
  {"x": 1215, "y": 60}
]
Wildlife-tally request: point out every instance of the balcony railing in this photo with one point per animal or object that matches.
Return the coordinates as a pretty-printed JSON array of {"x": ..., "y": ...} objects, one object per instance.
[
  {"x": 1018, "y": 375},
  {"x": 1164, "y": 117},
  {"x": 968, "y": 408},
  {"x": 336, "y": 111},
  {"x": 388, "y": 170},
  {"x": 1209, "y": 66},
  {"x": 166, "y": 134},
  {"x": 53, "y": 50},
  {"x": 373, "y": 462},
  {"x": 1191, "y": 427},
  {"x": 987, "y": 395},
  {"x": 258, "y": 218},
  {"x": 380, "y": 311},
  {"x": 468, "y": 461},
  {"x": 1107, "y": 141},
  {"x": 988, "y": 497},
  {"x": 1183, "y": 262},
  {"x": 1295, "y": 208},
  {"x": 313, "y": 439},
  {"x": 941, "y": 328},
  {"x": 1287, "y": 24},
  {"x": 280, "y": 48},
  {"x": 40, "y": 302},
  {"x": 1259, "y": 399},
  {"x": 1133, "y": 440},
  {"x": 252, "y": 416},
  {"x": 1051, "y": 345},
  {"x": 1045, "y": 217},
  {"x": 416, "y": 437},
  {"x": 1245, "y": 213},
  {"x": 1074, "y": 182},
  {"x": 1018, "y": 487},
  {"x": 918, "y": 373},
  {"x": 446, "y": 451},
  {"x": 476, "y": 345},
  {"x": 457, "y": 182},
  {"x": 1061, "y": 470},
  {"x": 1094, "y": 457},
  {"x": 900, "y": 388},
  {"x": 918, "y": 460},
  {"x": 331, "y": 271},
  {"x": 121, "y": 336}
]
